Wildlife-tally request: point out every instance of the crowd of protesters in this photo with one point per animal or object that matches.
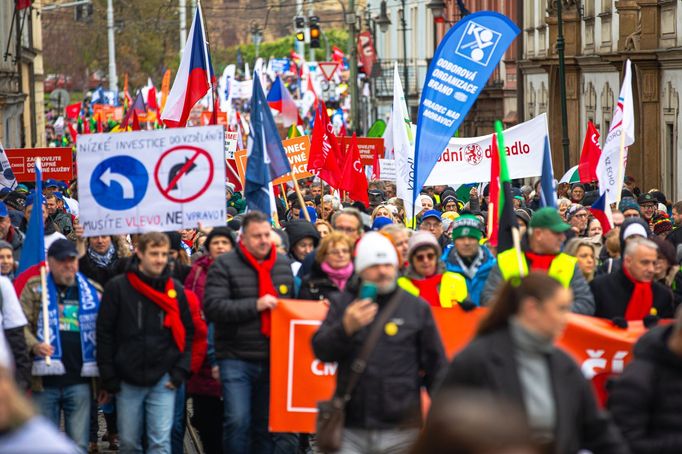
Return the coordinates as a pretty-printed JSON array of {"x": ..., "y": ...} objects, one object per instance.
[{"x": 143, "y": 324}]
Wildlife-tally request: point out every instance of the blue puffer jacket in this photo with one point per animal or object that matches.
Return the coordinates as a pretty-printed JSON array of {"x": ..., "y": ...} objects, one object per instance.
[{"x": 475, "y": 285}]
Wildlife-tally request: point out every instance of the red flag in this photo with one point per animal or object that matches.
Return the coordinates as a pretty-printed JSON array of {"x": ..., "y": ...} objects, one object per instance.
[
  {"x": 376, "y": 171},
  {"x": 100, "y": 126},
  {"x": 324, "y": 149},
  {"x": 136, "y": 121},
  {"x": 73, "y": 132},
  {"x": 354, "y": 181},
  {"x": 23, "y": 4},
  {"x": 73, "y": 110},
  {"x": 86, "y": 126},
  {"x": 337, "y": 55},
  {"x": 589, "y": 157},
  {"x": 232, "y": 175},
  {"x": 152, "y": 104},
  {"x": 494, "y": 188}
]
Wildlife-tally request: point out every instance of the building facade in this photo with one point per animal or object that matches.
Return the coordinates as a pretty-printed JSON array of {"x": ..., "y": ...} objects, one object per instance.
[
  {"x": 22, "y": 115},
  {"x": 600, "y": 35},
  {"x": 411, "y": 44}
]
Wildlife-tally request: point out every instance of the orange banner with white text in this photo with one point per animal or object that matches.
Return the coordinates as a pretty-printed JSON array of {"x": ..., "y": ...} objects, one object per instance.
[{"x": 298, "y": 380}]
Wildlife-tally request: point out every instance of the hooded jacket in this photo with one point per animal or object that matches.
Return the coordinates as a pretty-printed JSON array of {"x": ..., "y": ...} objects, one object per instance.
[
  {"x": 645, "y": 400},
  {"x": 476, "y": 284},
  {"x": 612, "y": 265},
  {"x": 298, "y": 230}
]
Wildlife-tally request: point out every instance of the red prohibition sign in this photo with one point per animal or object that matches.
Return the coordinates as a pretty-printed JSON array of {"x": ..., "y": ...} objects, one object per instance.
[{"x": 166, "y": 191}]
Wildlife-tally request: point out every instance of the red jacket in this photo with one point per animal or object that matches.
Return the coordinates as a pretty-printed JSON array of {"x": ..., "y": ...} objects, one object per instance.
[{"x": 201, "y": 382}]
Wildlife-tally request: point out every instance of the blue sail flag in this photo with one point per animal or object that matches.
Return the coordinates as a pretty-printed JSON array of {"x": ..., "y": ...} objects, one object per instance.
[
  {"x": 267, "y": 159},
  {"x": 33, "y": 251},
  {"x": 547, "y": 187},
  {"x": 461, "y": 66}
]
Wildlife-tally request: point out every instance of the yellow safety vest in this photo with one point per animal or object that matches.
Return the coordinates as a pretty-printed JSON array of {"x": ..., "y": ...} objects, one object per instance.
[
  {"x": 561, "y": 269},
  {"x": 453, "y": 288}
]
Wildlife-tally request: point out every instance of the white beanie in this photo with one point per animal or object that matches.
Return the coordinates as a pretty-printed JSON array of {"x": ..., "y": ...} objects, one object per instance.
[{"x": 374, "y": 249}]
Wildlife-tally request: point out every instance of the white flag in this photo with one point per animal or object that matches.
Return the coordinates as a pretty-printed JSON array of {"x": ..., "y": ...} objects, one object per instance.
[
  {"x": 611, "y": 166},
  {"x": 7, "y": 179},
  {"x": 403, "y": 148}
]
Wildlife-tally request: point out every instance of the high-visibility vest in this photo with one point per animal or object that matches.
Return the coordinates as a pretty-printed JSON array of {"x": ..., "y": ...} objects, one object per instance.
[
  {"x": 561, "y": 269},
  {"x": 453, "y": 288}
]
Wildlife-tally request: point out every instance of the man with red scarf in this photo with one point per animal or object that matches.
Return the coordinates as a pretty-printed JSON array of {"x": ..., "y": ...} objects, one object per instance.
[
  {"x": 242, "y": 287},
  {"x": 631, "y": 292},
  {"x": 144, "y": 345}
]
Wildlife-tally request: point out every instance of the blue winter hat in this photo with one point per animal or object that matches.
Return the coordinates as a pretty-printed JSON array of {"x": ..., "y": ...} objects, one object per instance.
[
  {"x": 380, "y": 222},
  {"x": 311, "y": 212}
]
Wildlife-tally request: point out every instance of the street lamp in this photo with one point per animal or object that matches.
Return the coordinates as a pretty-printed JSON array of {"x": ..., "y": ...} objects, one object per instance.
[
  {"x": 382, "y": 20},
  {"x": 256, "y": 36},
  {"x": 562, "y": 85},
  {"x": 437, "y": 8}
]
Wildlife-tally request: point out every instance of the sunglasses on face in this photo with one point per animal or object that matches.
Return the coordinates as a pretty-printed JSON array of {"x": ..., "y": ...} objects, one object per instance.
[{"x": 426, "y": 256}]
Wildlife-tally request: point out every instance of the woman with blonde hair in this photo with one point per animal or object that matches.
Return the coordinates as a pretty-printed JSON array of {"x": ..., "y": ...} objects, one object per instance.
[
  {"x": 332, "y": 269},
  {"x": 323, "y": 227},
  {"x": 585, "y": 251}
]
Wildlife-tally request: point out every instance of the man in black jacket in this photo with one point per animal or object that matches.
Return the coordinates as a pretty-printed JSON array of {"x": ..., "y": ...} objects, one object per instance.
[
  {"x": 242, "y": 287},
  {"x": 630, "y": 292},
  {"x": 144, "y": 344},
  {"x": 384, "y": 411},
  {"x": 645, "y": 401}
]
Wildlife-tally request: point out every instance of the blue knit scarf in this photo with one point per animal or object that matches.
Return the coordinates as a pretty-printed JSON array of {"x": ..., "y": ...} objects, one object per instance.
[{"x": 88, "y": 305}]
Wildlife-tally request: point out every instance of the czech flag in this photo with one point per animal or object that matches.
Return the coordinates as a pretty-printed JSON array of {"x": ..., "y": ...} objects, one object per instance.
[
  {"x": 280, "y": 99},
  {"x": 194, "y": 79},
  {"x": 601, "y": 211}
]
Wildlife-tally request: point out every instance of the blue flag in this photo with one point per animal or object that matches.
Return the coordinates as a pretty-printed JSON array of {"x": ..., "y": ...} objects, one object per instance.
[
  {"x": 460, "y": 68},
  {"x": 548, "y": 190},
  {"x": 267, "y": 159},
  {"x": 33, "y": 251}
]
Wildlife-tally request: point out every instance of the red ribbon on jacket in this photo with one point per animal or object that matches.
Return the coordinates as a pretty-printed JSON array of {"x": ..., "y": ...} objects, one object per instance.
[
  {"x": 265, "y": 284},
  {"x": 641, "y": 300},
  {"x": 167, "y": 303}
]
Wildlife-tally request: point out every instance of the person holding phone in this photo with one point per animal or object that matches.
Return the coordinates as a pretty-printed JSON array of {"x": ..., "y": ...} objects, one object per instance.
[{"x": 384, "y": 412}]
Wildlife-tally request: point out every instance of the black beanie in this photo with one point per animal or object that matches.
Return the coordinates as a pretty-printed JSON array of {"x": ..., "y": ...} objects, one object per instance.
[{"x": 220, "y": 231}]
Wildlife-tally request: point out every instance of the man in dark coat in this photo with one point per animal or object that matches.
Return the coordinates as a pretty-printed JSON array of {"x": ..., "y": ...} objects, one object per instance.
[
  {"x": 384, "y": 410},
  {"x": 630, "y": 292},
  {"x": 645, "y": 400},
  {"x": 241, "y": 288},
  {"x": 144, "y": 346}
]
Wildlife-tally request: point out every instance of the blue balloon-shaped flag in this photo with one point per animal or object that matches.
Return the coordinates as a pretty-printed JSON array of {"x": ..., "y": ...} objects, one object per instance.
[{"x": 460, "y": 68}]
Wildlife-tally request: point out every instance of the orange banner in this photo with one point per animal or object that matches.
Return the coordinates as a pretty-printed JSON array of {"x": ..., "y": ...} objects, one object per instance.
[
  {"x": 298, "y": 380},
  {"x": 297, "y": 150}
]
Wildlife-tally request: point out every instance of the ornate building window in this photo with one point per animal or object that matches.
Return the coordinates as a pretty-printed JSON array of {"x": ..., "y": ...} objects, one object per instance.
[
  {"x": 606, "y": 108},
  {"x": 591, "y": 104},
  {"x": 542, "y": 99}
]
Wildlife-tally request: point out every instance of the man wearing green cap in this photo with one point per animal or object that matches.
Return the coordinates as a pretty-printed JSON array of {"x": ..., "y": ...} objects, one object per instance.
[
  {"x": 546, "y": 235},
  {"x": 467, "y": 257}
]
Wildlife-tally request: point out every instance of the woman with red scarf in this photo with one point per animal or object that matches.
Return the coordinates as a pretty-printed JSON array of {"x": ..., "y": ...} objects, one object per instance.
[{"x": 425, "y": 276}]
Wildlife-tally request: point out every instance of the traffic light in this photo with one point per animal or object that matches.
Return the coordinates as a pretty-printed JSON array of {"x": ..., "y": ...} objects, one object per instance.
[
  {"x": 299, "y": 26},
  {"x": 314, "y": 32}
]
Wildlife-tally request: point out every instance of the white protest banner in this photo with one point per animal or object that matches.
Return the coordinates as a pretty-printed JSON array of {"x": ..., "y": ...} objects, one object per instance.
[
  {"x": 467, "y": 159},
  {"x": 145, "y": 181},
  {"x": 231, "y": 139},
  {"x": 387, "y": 170}
]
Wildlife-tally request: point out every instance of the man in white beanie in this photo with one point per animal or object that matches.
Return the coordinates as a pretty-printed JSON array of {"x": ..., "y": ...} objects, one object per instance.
[{"x": 383, "y": 413}]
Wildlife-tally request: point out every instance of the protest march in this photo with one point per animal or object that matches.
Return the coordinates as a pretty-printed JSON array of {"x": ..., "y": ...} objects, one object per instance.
[{"x": 238, "y": 264}]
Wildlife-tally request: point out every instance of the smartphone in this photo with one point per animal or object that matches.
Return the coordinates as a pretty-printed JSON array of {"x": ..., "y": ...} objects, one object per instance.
[{"x": 368, "y": 290}]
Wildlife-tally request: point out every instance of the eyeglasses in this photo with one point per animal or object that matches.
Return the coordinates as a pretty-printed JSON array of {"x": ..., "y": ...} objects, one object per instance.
[
  {"x": 427, "y": 256},
  {"x": 429, "y": 225},
  {"x": 648, "y": 207},
  {"x": 338, "y": 252}
]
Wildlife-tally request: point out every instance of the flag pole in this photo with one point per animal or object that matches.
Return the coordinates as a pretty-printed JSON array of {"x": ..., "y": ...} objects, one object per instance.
[
  {"x": 621, "y": 152},
  {"x": 206, "y": 48},
  {"x": 44, "y": 303},
  {"x": 284, "y": 193},
  {"x": 300, "y": 199}
]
